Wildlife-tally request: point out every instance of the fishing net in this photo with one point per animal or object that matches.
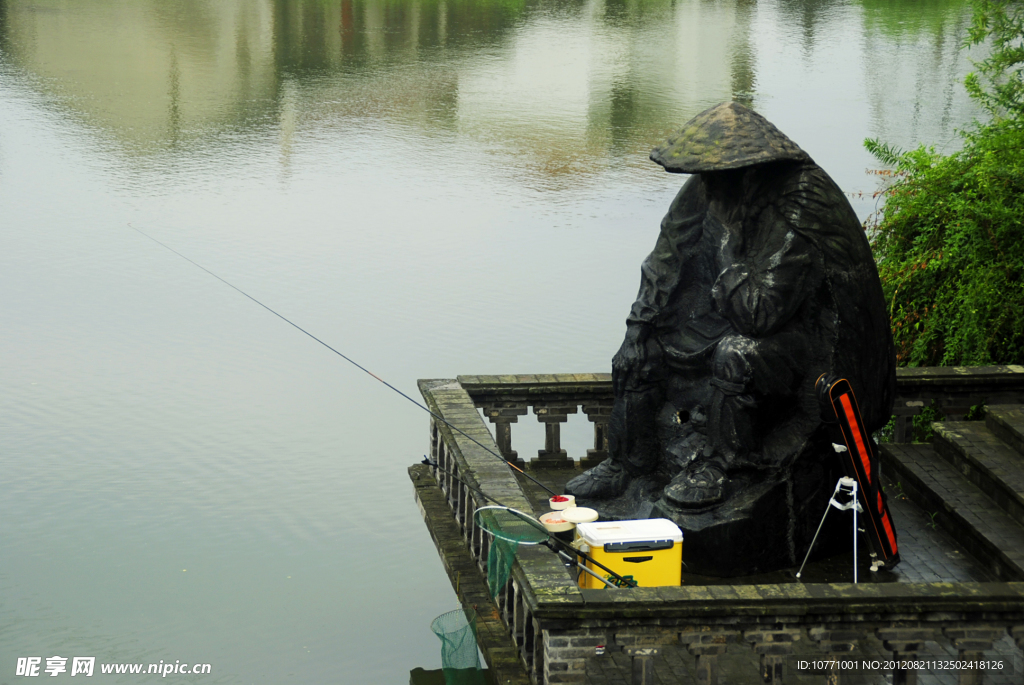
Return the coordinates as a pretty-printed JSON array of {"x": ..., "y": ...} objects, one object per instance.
[
  {"x": 509, "y": 528},
  {"x": 460, "y": 658}
]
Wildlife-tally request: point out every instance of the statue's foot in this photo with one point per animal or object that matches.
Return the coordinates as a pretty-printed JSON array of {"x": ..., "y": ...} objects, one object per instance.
[
  {"x": 700, "y": 488},
  {"x": 607, "y": 479}
]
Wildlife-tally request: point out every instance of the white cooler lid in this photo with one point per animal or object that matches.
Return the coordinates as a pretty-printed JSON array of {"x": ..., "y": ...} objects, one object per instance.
[{"x": 640, "y": 530}]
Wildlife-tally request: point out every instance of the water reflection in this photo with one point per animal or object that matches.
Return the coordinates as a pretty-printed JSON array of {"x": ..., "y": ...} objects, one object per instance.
[
  {"x": 915, "y": 74},
  {"x": 150, "y": 74},
  {"x": 567, "y": 86}
]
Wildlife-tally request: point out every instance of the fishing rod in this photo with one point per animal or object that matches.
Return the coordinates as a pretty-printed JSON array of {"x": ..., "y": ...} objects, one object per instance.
[
  {"x": 626, "y": 582},
  {"x": 349, "y": 360}
]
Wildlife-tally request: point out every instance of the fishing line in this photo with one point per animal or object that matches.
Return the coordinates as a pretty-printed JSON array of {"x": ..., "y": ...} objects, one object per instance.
[
  {"x": 348, "y": 359},
  {"x": 434, "y": 465}
]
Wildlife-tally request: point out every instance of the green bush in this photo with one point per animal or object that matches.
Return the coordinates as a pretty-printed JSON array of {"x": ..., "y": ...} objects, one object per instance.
[
  {"x": 950, "y": 240},
  {"x": 999, "y": 82}
]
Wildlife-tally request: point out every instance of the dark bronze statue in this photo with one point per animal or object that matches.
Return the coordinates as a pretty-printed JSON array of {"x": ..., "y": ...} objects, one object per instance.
[{"x": 761, "y": 281}]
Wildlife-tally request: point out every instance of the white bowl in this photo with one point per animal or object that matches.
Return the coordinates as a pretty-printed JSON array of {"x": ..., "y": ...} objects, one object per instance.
[
  {"x": 554, "y": 522},
  {"x": 558, "y": 506}
]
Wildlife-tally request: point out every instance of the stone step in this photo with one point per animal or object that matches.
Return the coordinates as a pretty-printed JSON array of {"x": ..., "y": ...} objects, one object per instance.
[
  {"x": 986, "y": 461},
  {"x": 977, "y": 523},
  {"x": 1007, "y": 422}
]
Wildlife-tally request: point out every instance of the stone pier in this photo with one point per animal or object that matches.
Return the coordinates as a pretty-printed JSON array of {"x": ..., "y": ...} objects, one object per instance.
[{"x": 957, "y": 597}]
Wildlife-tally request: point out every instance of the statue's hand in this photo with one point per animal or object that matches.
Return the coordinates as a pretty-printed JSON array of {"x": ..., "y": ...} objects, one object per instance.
[
  {"x": 634, "y": 360},
  {"x": 632, "y": 351},
  {"x": 728, "y": 282}
]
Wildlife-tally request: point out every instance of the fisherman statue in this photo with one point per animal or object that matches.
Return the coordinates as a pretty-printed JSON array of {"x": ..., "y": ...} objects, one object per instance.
[{"x": 761, "y": 281}]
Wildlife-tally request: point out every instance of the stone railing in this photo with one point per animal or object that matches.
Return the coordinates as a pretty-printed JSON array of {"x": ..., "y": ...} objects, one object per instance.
[
  {"x": 468, "y": 456},
  {"x": 561, "y": 633},
  {"x": 553, "y": 397},
  {"x": 953, "y": 391},
  {"x": 779, "y": 631}
]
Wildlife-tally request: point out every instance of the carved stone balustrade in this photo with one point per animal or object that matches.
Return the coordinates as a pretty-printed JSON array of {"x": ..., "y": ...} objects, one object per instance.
[
  {"x": 952, "y": 391},
  {"x": 552, "y": 397}
]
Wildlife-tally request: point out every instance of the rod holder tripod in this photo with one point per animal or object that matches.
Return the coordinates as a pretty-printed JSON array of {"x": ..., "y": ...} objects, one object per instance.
[
  {"x": 847, "y": 486},
  {"x": 860, "y": 462}
]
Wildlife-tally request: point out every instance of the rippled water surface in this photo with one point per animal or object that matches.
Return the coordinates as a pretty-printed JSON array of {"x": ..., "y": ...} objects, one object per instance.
[{"x": 434, "y": 187}]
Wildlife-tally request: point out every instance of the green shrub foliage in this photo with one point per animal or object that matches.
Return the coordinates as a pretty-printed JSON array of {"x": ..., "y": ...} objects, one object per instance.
[
  {"x": 999, "y": 83},
  {"x": 950, "y": 240}
]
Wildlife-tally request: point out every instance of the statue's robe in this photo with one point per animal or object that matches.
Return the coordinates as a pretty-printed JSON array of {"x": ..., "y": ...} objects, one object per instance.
[{"x": 742, "y": 306}]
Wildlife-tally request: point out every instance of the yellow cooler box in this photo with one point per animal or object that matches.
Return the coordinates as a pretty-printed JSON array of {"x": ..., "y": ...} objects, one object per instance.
[{"x": 650, "y": 551}]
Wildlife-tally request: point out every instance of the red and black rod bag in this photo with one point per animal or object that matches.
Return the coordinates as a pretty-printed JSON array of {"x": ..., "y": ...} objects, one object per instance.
[{"x": 861, "y": 463}]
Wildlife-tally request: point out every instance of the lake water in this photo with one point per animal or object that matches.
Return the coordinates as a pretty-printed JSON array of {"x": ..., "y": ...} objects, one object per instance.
[{"x": 434, "y": 187}]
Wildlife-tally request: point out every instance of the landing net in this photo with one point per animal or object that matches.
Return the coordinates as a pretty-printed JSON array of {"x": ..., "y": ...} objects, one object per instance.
[
  {"x": 508, "y": 528},
  {"x": 460, "y": 658}
]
